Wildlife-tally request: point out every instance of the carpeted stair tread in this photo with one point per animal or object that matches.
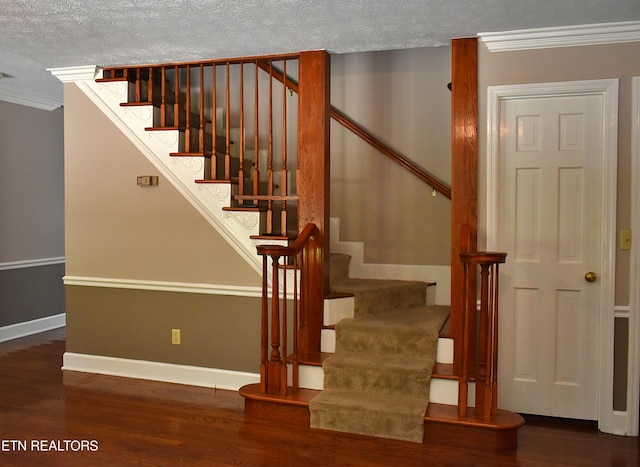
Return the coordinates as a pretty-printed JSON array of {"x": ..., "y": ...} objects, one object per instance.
[
  {"x": 413, "y": 331},
  {"x": 393, "y": 374},
  {"x": 376, "y": 296},
  {"x": 381, "y": 415},
  {"x": 377, "y": 381}
]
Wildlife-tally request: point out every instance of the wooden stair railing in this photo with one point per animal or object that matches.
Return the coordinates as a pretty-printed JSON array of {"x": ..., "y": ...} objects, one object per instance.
[
  {"x": 363, "y": 134},
  {"x": 204, "y": 101},
  {"x": 480, "y": 335},
  {"x": 284, "y": 296}
]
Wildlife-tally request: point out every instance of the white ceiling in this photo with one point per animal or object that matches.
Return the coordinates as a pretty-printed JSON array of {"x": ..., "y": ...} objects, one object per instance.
[{"x": 40, "y": 34}]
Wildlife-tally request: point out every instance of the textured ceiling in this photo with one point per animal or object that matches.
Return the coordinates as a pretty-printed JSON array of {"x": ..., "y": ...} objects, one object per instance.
[{"x": 40, "y": 34}]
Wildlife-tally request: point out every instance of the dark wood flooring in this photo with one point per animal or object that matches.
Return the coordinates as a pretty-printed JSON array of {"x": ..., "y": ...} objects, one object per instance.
[{"x": 92, "y": 420}]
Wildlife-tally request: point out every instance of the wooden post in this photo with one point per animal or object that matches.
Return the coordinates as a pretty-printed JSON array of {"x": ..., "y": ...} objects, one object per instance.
[
  {"x": 464, "y": 174},
  {"x": 313, "y": 185}
]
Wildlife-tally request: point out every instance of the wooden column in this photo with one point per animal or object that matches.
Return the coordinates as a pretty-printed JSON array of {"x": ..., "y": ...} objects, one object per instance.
[
  {"x": 464, "y": 173},
  {"x": 313, "y": 186}
]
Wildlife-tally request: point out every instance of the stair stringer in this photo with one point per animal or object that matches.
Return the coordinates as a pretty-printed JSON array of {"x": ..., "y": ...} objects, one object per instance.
[{"x": 208, "y": 199}]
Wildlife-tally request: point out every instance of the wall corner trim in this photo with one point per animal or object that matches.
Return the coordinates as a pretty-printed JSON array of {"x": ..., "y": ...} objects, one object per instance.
[
  {"x": 158, "y": 371},
  {"x": 565, "y": 36}
]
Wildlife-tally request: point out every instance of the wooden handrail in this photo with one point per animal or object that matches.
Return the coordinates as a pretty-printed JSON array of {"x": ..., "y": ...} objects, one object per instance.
[
  {"x": 296, "y": 247},
  {"x": 218, "y": 61},
  {"x": 390, "y": 153},
  {"x": 359, "y": 131}
]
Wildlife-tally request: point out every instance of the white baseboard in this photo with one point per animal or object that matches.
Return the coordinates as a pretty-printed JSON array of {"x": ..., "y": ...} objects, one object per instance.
[
  {"x": 27, "y": 328},
  {"x": 619, "y": 424},
  {"x": 157, "y": 371}
]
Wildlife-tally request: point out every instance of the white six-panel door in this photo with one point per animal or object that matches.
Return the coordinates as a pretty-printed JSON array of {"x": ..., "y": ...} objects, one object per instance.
[{"x": 549, "y": 223}]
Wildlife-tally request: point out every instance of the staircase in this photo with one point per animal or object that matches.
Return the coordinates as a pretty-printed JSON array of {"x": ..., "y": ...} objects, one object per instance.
[
  {"x": 321, "y": 375},
  {"x": 262, "y": 183}
]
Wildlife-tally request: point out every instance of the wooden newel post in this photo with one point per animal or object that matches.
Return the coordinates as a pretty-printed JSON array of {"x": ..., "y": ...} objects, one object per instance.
[
  {"x": 464, "y": 174},
  {"x": 273, "y": 368},
  {"x": 485, "y": 364},
  {"x": 313, "y": 186}
]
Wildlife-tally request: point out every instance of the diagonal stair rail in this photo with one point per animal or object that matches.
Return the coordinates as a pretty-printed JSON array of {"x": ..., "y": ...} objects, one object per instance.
[{"x": 363, "y": 134}]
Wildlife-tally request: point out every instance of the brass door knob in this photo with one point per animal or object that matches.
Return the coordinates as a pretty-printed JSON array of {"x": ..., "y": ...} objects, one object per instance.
[{"x": 590, "y": 276}]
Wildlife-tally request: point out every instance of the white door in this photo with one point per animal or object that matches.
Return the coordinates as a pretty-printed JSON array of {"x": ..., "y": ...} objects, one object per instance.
[{"x": 549, "y": 223}]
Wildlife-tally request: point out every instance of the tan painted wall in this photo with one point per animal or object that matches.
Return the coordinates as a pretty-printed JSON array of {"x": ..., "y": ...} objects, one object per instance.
[
  {"x": 115, "y": 229},
  {"x": 216, "y": 331},
  {"x": 401, "y": 97},
  {"x": 570, "y": 64}
]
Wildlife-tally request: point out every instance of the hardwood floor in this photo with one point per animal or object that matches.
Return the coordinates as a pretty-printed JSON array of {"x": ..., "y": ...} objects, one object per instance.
[{"x": 48, "y": 418}]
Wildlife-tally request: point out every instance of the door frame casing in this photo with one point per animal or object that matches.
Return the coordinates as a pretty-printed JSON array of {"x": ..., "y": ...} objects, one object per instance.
[
  {"x": 633, "y": 388},
  {"x": 608, "y": 89}
]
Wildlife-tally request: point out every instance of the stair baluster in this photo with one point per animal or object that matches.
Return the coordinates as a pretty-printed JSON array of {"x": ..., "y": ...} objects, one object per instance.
[
  {"x": 187, "y": 111},
  {"x": 270, "y": 155},
  {"x": 485, "y": 363},
  {"x": 256, "y": 147},
  {"x": 176, "y": 99},
  {"x": 201, "y": 113},
  {"x": 163, "y": 96},
  {"x": 283, "y": 172},
  {"x": 213, "y": 163},
  {"x": 227, "y": 153},
  {"x": 241, "y": 137},
  {"x": 273, "y": 372}
]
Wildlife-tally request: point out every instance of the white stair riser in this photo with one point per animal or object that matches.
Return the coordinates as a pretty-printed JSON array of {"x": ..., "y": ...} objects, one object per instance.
[
  {"x": 445, "y": 391},
  {"x": 444, "y": 352},
  {"x": 309, "y": 377},
  {"x": 328, "y": 340},
  {"x": 442, "y": 391},
  {"x": 336, "y": 309}
]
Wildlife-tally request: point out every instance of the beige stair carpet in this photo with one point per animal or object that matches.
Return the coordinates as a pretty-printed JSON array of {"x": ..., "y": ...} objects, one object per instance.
[{"x": 377, "y": 382}]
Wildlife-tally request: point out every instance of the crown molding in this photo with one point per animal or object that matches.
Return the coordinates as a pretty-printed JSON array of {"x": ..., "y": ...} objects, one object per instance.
[
  {"x": 72, "y": 74},
  {"x": 566, "y": 36},
  {"x": 29, "y": 101}
]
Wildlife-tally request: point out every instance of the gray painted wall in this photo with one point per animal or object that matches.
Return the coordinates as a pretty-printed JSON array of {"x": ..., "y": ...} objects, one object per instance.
[{"x": 31, "y": 212}]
